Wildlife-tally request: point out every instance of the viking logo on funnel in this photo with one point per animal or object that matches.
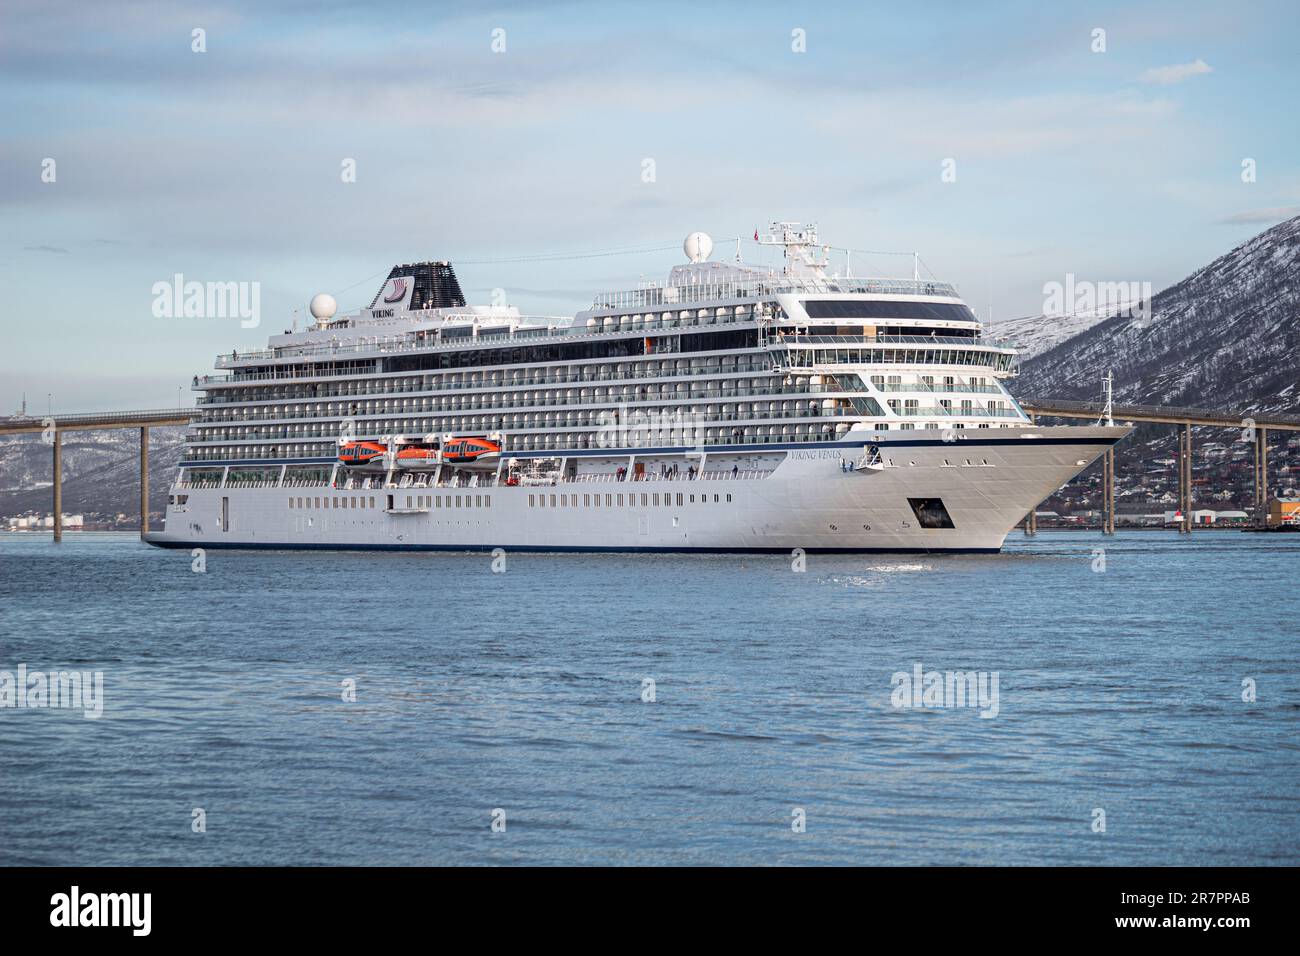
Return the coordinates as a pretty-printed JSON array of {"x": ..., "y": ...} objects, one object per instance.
[{"x": 398, "y": 290}]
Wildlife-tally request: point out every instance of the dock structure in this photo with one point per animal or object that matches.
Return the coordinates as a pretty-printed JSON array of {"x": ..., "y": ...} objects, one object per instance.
[
  {"x": 1253, "y": 426},
  {"x": 52, "y": 427}
]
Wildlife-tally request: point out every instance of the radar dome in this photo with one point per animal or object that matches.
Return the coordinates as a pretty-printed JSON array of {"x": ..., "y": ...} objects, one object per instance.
[
  {"x": 697, "y": 246},
  {"x": 323, "y": 306}
]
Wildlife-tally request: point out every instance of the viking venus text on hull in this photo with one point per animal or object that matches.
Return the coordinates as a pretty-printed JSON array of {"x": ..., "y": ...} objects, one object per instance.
[{"x": 730, "y": 409}]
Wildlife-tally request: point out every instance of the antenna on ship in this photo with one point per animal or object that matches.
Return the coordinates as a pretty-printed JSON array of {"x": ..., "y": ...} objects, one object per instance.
[{"x": 799, "y": 240}]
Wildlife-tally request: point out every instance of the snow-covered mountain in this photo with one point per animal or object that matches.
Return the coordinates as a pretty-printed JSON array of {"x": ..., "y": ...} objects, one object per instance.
[
  {"x": 101, "y": 471},
  {"x": 1036, "y": 334},
  {"x": 1227, "y": 336}
]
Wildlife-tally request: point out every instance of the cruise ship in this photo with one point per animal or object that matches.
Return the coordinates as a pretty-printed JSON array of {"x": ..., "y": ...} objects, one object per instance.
[{"x": 729, "y": 409}]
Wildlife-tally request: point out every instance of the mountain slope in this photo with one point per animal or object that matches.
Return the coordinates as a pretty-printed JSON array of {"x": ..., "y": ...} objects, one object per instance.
[
  {"x": 1036, "y": 334},
  {"x": 1227, "y": 336},
  {"x": 101, "y": 471}
]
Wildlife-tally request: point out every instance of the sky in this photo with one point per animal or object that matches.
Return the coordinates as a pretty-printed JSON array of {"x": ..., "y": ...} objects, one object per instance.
[{"x": 1009, "y": 144}]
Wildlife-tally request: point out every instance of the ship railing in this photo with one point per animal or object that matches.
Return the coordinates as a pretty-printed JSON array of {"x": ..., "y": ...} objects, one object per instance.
[
  {"x": 488, "y": 481},
  {"x": 763, "y": 367},
  {"x": 940, "y": 411},
  {"x": 857, "y": 341},
  {"x": 920, "y": 387},
  {"x": 418, "y": 342},
  {"x": 652, "y": 477},
  {"x": 763, "y": 286},
  {"x": 734, "y": 476},
  {"x": 261, "y": 412},
  {"x": 870, "y": 459},
  {"x": 813, "y": 411},
  {"x": 759, "y": 394}
]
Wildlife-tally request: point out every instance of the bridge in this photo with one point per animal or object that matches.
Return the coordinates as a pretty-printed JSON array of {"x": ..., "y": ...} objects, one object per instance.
[
  {"x": 51, "y": 428},
  {"x": 1255, "y": 426}
]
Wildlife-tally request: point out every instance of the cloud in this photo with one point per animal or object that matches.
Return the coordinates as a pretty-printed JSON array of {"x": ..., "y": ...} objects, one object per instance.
[
  {"x": 992, "y": 127},
  {"x": 56, "y": 249},
  {"x": 1274, "y": 214},
  {"x": 1166, "y": 75}
]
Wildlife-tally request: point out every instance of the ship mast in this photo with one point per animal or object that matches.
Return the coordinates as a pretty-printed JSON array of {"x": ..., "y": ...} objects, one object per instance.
[{"x": 801, "y": 246}]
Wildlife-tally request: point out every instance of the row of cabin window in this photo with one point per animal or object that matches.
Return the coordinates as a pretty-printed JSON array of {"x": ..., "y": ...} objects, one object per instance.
[
  {"x": 424, "y": 501},
  {"x": 445, "y": 501},
  {"x": 648, "y": 500},
  {"x": 337, "y": 502}
]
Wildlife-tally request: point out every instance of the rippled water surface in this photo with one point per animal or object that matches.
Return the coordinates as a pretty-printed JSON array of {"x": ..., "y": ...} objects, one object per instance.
[{"x": 1120, "y": 690}]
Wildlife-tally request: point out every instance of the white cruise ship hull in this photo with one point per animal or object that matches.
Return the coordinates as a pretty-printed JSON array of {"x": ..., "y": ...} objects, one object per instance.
[{"x": 805, "y": 498}]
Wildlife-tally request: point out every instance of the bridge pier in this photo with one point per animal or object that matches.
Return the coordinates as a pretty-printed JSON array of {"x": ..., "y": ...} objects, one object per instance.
[
  {"x": 144, "y": 481},
  {"x": 1185, "y": 479},
  {"x": 58, "y": 486},
  {"x": 1108, "y": 492},
  {"x": 1261, "y": 478}
]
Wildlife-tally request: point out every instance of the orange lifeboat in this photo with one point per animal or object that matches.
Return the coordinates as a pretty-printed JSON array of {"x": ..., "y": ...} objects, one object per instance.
[
  {"x": 357, "y": 453},
  {"x": 373, "y": 456},
  {"x": 413, "y": 454},
  {"x": 466, "y": 451}
]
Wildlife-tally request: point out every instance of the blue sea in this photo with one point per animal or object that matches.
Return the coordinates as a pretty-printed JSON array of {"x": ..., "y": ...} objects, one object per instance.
[{"x": 657, "y": 709}]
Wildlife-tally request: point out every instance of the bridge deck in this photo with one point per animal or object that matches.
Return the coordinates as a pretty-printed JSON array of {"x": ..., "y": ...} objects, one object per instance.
[
  {"x": 19, "y": 424},
  {"x": 1164, "y": 414}
]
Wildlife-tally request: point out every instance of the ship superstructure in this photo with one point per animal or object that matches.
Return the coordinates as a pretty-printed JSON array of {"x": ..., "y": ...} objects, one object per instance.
[{"x": 729, "y": 408}]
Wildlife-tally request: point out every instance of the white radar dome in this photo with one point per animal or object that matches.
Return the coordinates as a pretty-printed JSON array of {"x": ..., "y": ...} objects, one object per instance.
[
  {"x": 323, "y": 306},
  {"x": 697, "y": 246}
]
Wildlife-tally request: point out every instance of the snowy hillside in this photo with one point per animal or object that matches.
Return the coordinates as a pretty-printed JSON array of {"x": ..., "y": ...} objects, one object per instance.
[
  {"x": 1036, "y": 334},
  {"x": 101, "y": 471},
  {"x": 1227, "y": 336}
]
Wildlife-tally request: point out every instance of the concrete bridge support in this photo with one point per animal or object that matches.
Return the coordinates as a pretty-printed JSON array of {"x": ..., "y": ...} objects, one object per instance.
[
  {"x": 1261, "y": 478},
  {"x": 1108, "y": 492},
  {"x": 144, "y": 481},
  {"x": 58, "y": 486}
]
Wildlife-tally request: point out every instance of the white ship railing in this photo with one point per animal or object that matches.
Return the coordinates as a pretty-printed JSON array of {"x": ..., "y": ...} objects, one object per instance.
[
  {"x": 763, "y": 287},
  {"x": 409, "y": 342},
  {"x": 817, "y": 341}
]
